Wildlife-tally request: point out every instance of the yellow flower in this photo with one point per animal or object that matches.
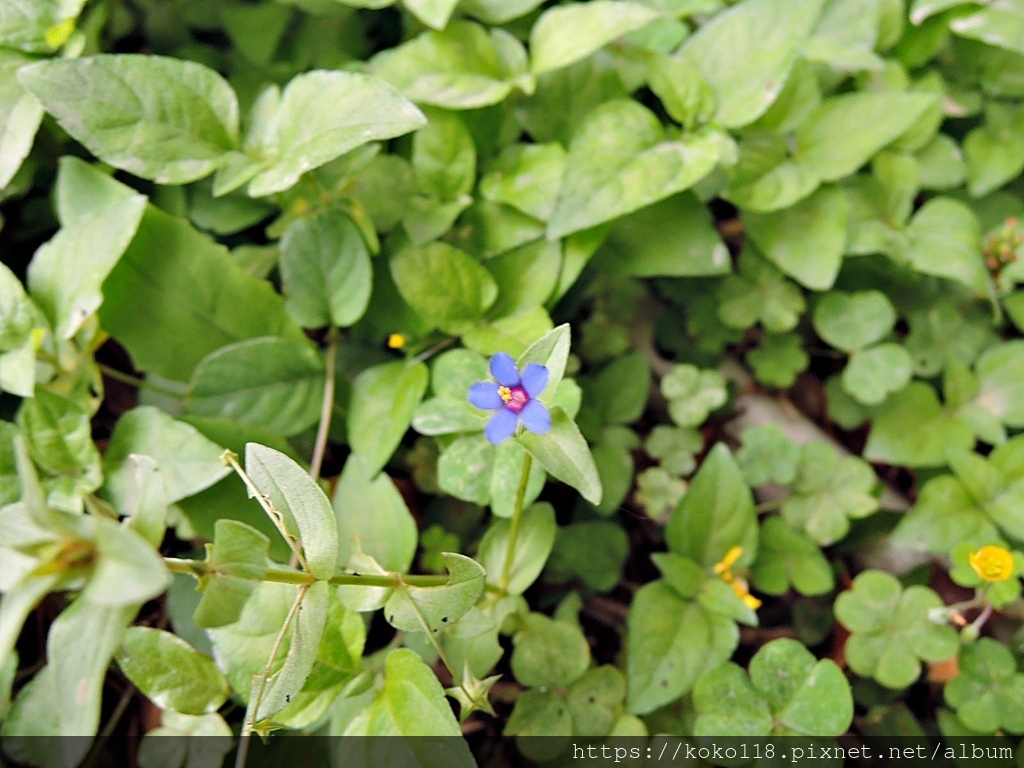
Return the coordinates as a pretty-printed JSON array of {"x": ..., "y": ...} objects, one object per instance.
[
  {"x": 739, "y": 586},
  {"x": 992, "y": 563},
  {"x": 724, "y": 569},
  {"x": 396, "y": 341}
]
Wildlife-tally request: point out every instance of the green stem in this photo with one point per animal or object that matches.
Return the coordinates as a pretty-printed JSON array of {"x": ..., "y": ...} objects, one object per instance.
[
  {"x": 281, "y": 575},
  {"x": 513, "y": 534},
  {"x": 768, "y": 506},
  {"x": 135, "y": 381},
  {"x": 327, "y": 408}
]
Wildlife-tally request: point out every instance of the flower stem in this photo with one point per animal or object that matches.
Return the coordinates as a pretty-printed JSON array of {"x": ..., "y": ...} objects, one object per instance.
[
  {"x": 327, "y": 409},
  {"x": 517, "y": 516},
  {"x": 135, "y": 381}
]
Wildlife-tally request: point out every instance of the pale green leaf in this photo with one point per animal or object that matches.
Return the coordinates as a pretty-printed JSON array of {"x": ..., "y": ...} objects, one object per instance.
[
  {"x": 269, "y": 382},
  {"x": 423, "y": 609},
  {"x": 806, "y": 241},
  {"x": 671, "y": 643},
  {"x": 307, "y": 511},
  {"x": 325, "y": 270},
  {"x": 169, "y": 120},
  {"x": 20, "y": 114},
  {"x": 170, "y": 672},
  {"x": 445, "y": 285},
  {"x": 716, "y": 514},
  {"x": 534, "y": 540},
  {"x": 99, "y": 217},
  {"x": 619, "y": 161},
  {"x": 303, "y": 135},
  {"x": 593, "y": 25},
  {"x": 384, "y": 399},
  {"x": 371, "y": 509},
  {"x": 852, "y": 321},
  {"x": 188, "y": 461},
  {"x": 746, "y": 53},
  {"x": 281, "y": 686}
]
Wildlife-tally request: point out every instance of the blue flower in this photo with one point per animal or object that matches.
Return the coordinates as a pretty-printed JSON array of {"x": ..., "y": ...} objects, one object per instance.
[{"x": 514, "y": 397}]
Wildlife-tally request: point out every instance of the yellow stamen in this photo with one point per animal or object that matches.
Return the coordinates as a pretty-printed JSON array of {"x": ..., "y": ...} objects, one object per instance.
[
  {"x": 396, "y": 341},
  {"x": 992, "y": 563},
  {"x": 506, "y": 393}
]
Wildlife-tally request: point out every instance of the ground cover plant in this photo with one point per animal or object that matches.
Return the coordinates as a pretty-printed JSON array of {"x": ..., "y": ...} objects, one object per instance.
[{"x": 475, "y": 367}]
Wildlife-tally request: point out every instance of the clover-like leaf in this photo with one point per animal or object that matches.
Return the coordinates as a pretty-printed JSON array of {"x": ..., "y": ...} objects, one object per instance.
[
  {"x": 760, "y": 292},
  {"x": 658, "y": 491},
  {"x": 767, "y": 456},
  {"x": 982, "y": 501},
  {"x": 779, "y": 359},
  {"x": 692, "y": 394},
  {"x": 913, "y": 429},
  {"x": 873, "y": 373},
  {"x": 988, "y": 694},
  {"x": 851, "y": 321},
  {"x": 789, "y": 692},
  {"x": 787, "y": 557},
  {"x": 674, "y": 448},
  {"x": 829, "y": 489},
  {"x": 891, "y": 632}
]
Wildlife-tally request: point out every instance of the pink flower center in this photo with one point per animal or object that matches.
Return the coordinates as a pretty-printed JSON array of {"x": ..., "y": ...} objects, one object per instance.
[{"x": 515, "y": 398}]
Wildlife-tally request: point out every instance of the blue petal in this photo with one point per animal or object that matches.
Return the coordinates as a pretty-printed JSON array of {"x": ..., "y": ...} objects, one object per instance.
[
  {"x": 535, "y": 379},
  {"x": 504, "y": 371},
  {"x": 536, "y": 417},
  {"x": 501, "y": 426},
  {"x": 484, "y": 394}
]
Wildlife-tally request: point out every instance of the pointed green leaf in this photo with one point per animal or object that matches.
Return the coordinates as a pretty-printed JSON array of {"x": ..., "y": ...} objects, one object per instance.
[
  {"x": 188, "y": 462},
  {"x": 238, "y": 561},
  {"x": 564, "y": 453},
  {"x": 619, "y": 161},
  {"x": 99, "y": 217},
  {"x": 716, "y": 514},
  {"x": 372, "y": 509},
  {"x": 306, "y": 509},
  {"x": 746, "y": 53}
]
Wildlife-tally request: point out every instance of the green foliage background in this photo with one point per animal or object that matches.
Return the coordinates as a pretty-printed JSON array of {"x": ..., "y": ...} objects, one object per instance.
[{"x": 255, "y": 254}]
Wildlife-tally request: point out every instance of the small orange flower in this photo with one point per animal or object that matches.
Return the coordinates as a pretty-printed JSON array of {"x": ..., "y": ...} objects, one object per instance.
[{"x": 992, "y": 563}]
